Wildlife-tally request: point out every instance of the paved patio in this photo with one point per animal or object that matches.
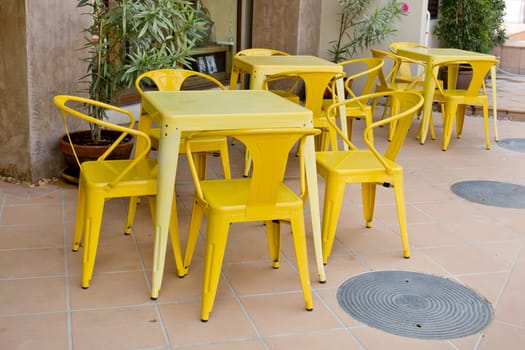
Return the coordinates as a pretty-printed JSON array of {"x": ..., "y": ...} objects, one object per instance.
[{"x": 483, "y": 247}]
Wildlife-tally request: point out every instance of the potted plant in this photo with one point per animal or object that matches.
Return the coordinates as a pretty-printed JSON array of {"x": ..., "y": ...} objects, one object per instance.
[
  {"x": 125, "y": 39},
  {"x": 472, "y": 25},
  {"x": 359, "y": 29}
]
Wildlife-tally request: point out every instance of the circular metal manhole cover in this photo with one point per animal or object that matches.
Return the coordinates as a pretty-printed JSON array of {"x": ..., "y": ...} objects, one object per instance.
[
  {"x": 517, "y": 145},
  {"x": 494, "y": 193},
  {"x": 414, "y": 305}
]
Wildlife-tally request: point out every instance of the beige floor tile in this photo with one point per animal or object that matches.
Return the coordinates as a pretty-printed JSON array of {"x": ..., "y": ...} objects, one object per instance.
[
  {"x": 503, "y": 336},
  {"x": 227, "y": 345},
  {"x": 23, "y": 263},
  {"x": 38, "y": 214},
  {"x": 35, "y": 295},
  {"x": 465, "y": 260},
  {"x": 32, "y": 236},
  {"x": 375, "y": 339},
  {"x": 117, "y": 328},
  {"x": 488, "y": 285},
  {"x": 227, "y": 322},
  {"x": 110, "y": 290},
  {"x": 285, "y": 313},
  {"x": 327, "y": 340},
  {"x": 43, "y": 331},
  {"x": 260, "y": 278}
]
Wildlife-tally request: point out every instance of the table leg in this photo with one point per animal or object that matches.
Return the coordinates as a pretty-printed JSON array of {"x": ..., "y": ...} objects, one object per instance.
[
  {"x": 313, "y": 199},
  {"x": 429, "y": 98},
  {"x": 167, "y": 158},
  {"x": 234, "y": 78},
  {"x": 494, "y": 104}
]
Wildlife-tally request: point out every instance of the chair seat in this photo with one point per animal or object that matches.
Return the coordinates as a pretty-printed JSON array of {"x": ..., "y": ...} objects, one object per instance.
[
  {"x": 348, "y": 163},
  {"x": 231, "y": 196},
  {"x": 100, "y": 174},
  {"x": 350, "y": 107}
]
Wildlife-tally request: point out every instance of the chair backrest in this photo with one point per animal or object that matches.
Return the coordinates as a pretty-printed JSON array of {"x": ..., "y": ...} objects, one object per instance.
[
  {"x": 257, "y": 51},
  {"x": 170, "y": 79},
  {"x": 405, "y": 71},
  {"x": 393, "y": 47},
  {"x": 367, "y": 70},
  {"x": 269, "y": 150},
  {"x": 72, "y": 105},
  {"x": 406, "y": 104},
  {"x": 315, "y": 84},
  {"x": 480, "y": 69},
  {"x": 390, "y": 66},
  {"x": 393, "y": 77},
  {"x": 261, "y": 52}
]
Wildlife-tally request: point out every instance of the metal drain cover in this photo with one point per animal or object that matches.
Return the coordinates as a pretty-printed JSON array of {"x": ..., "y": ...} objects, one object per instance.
[
  {"x": 414, "y": 305},
  {"x": 494, "y": 193},
  {"x": 513, "y": 144}
]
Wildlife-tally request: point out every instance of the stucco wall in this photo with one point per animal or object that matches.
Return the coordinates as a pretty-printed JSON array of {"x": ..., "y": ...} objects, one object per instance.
[
  {"x": 39, "y": 42},
  {"x": 14, "y": 126}
]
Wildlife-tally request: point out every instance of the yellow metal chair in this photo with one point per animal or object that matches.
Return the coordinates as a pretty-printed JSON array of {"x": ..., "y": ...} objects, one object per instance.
[
  {"x": 291, "y": 85},
  {"x": 367, "y": 167},
  {"x": 391, "y": 80},
  {"x": 169, "y": 79},
  {"x": 316, "y": 84},
  {"x": 456, "y": 100},
  {"x": 173, "y": 80},
  {"x": 104, "y": 179},
  {"x": 262, "y": 197},
  {"x": 405, "y": 72},
  {"x": 366, "y": 72}
]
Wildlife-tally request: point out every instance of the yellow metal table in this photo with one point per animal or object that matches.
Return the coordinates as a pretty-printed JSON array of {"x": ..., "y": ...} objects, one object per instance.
[
  {"x": 433, "y": 56},
  {"x": 175, "y": 111},
  {"x": 259, "y": 67}
]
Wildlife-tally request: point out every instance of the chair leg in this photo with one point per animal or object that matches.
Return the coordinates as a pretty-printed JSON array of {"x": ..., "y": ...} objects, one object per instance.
[
  {"x": 247, "y": 163},
  {"x": 349, "y": 126},
  {"x": 273, "y": 232},
  {"x": 200, "y": 164},
  {"x": 298, "y": 234},
  {"x": 80, "y": 219},
  {"x": 334, "y": 193},
  {"x": 193, "y": 235},
  {"x": 175, "y": 237},
  {"x": 132, "y": 211},
  {"x": 401, "y": 213},
  {"x": 460, "y": 118},
  {"x": 369, "y": 197},
  {"x": 225, "y": 159},
  {"x": 448, "y": 119},
  {"x": 94, "y": 211},
  {"x": 216, "y": 237}
]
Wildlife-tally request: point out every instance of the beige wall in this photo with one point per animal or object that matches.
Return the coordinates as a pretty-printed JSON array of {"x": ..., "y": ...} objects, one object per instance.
[
  {"x": 408, "y": 27},
  {"x": 39, "y": 58}
]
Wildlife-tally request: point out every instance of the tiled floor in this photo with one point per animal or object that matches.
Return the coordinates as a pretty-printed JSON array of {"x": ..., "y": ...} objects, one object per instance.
[{"x": 43, "y": 307}]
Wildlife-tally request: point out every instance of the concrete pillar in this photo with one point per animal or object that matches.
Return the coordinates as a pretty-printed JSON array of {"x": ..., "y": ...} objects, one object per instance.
[{"x": 39, "y": 58}]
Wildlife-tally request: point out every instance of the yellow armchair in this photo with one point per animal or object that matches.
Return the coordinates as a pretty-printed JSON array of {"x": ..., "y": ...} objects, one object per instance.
[
  {"x": 262, "y": 197},
  {"x": 367, "y": 167}
]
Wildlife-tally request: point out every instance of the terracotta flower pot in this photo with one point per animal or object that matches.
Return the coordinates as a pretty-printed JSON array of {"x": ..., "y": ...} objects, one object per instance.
[{"x": 87, "y": 150}]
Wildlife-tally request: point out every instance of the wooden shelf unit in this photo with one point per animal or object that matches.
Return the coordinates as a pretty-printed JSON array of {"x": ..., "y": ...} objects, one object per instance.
[{"x": 222, "y": 59}]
